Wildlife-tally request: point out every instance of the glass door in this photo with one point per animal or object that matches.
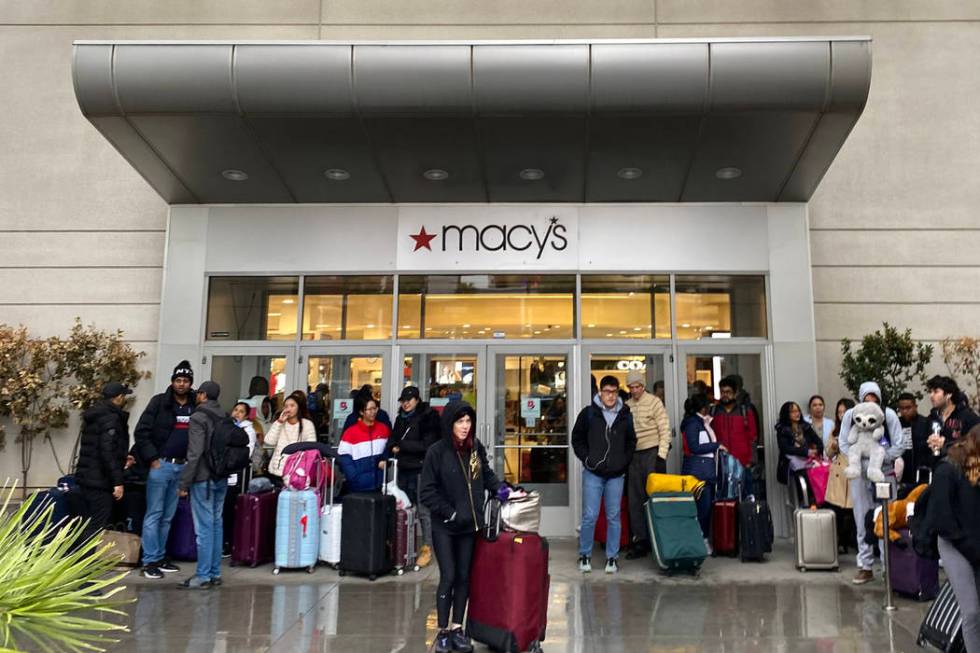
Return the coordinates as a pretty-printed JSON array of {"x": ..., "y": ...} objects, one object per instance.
[
  {"x": 444, "y": 373},
  {"x": 528, "y": 432},
  {"x": 333, "y": 375}
]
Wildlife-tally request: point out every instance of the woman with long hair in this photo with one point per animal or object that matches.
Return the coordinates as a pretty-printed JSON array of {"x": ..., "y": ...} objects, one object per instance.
[
  {"x": 797, "y": 443},
  {"x": 700, "y": 448},
  {"x": 843, "y": 405},
  {"x": 292, "y": 425},
  {"x": 951, "y": 514}
]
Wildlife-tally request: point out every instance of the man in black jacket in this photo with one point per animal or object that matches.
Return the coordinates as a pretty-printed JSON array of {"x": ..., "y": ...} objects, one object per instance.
[
  {"x": 102, "y": 454},
  {"x": 951, "y": 417},
  {"x": 416, "y": 428},
  {"x": 604, "y": 440},
  {"x": 161, "y": 441}
]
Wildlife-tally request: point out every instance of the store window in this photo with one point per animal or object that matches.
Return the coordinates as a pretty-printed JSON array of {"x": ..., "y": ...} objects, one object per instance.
[
  {"x": 347, "y": 308},
  {"x": 252, "y": 308},
  {"x": 717, "y": 306},
  {"x": 486, "y": 306},
  {"x": 626, "y": 306}
]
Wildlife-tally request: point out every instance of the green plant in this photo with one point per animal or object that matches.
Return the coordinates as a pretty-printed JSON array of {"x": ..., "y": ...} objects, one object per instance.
[
  {"x": 962, "y": 358},
  {"x": 890, "y": 358},
  {"x": 54, "y": 583}
]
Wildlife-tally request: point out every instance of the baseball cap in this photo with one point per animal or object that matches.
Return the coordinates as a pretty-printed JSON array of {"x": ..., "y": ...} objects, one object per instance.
[
  {"x": 114, "y": 389},
  {"x": 409, "y": 392}
]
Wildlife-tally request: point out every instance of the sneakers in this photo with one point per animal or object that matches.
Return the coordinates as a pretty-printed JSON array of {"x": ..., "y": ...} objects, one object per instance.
[
  {"x": 707, "y": 545},
  {"x": 443, "y": 642},
  {"x": 168, "y": 567},
  {"x": 425, "y": 556},
  {"x": 863, "y": 576},
  {"x": 152, "y": 572},
  {"x": 195, "y": 583},
  {"x": 460, "y": 642},
  {"x": 585, "y": 564},
  {"x": 216, "y": 581},
  {"x": 612, "y": 565}
]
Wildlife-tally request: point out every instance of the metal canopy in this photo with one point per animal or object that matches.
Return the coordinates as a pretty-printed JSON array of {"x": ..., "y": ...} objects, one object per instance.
[{"x": 559, "y": 121}]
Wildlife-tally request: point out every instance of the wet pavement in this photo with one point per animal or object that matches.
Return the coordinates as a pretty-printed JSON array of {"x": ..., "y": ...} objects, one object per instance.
[{"x": 731, "y": 607}]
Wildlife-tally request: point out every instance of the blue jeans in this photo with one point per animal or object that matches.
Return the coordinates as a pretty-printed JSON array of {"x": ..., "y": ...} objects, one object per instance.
[
  {"x": 207, "y": 504},
  {"x": 594, "y": 490},
  {"x": 161, "y": 504}
]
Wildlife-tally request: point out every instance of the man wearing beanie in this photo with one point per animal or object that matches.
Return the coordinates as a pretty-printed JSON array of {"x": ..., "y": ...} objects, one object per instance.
[
  {"x": 206, "y": 489},
  {"x": 652, "y": 447},
  {"x": 161, "y": 443}
]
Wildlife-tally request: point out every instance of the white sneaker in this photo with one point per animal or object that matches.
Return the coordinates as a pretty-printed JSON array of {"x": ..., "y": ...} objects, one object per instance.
[
  {"x": 612, "y": 565},
  {"x": 585, "y": 564}
]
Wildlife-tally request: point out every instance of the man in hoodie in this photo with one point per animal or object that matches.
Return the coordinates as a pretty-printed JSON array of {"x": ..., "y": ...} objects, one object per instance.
[
  {"x": 862, "y": 490},
  {"x": 417, "y": 427},
  {"x": 206, "y": 489},
  {"x": 652, "y": 447},
  {"x": 161, "y": 442},
  {"x": 102, "y": 454},
  {"x": 604, "y": 439},
  {"x": 951, "y": 417}
]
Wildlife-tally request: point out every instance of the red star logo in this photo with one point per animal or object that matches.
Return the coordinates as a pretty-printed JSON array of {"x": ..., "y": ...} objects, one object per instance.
[{"x": 422, "y": 239}]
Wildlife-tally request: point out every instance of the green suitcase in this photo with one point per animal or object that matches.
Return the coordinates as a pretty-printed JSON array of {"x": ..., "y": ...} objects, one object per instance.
[{"x": 675, "y": 534}]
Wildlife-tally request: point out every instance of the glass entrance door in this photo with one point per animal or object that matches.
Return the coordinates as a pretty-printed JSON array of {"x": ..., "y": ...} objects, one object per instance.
[{"x": 331, "y": 375}]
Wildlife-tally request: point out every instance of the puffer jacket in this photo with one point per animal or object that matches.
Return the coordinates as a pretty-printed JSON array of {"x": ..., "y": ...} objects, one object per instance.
[
  {"x": 454, "y": 485},
  {"x": 103, "y": 447},
  {"x": 413, "y": 435},
  {"x": 155, "y": 425},
  {"x": 604, "y": 450},
  {"x": 361, "y": 448}
]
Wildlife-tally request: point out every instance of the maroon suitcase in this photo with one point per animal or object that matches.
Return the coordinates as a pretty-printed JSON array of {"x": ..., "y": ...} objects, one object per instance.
[
  {"x": 406, "y": 540},
  {"x": 509, "y": 586},
  {"x": 255, "y": 529},
  {"x": 724, "y": 528},
  {"x": 912, "y": 575}
]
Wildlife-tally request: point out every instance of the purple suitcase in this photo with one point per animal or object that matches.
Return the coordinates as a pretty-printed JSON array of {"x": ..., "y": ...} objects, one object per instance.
[
  {"x": 182, "y": 541},
  {"x": 912, "y": 575},
  {"x": 254, "y": 539}
]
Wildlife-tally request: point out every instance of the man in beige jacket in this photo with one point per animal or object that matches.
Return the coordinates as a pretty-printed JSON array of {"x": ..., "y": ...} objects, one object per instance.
[{"x": 652, "y": 447}]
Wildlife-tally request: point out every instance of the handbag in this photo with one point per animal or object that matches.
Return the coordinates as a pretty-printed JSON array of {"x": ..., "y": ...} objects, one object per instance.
[
  {"x": 523, "y": 514},
  {"x": 819, "y": 475},
  {"x": 838, "y": 485},
  {"x": 125, "y": 548}
]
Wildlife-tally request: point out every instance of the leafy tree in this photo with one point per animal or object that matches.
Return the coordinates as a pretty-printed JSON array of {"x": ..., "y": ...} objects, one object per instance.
[
  {"x": 890, "y": 358},
  {"x": 962, "y": 358}
]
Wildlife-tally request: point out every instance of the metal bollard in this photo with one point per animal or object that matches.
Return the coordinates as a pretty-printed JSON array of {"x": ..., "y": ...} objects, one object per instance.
[{"x": 883, "y": 491}]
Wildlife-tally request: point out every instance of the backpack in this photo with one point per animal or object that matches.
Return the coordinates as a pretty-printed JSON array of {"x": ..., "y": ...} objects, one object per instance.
[
  {"x": 305, "y": 470},
  {"x": 228, "y": 450}
]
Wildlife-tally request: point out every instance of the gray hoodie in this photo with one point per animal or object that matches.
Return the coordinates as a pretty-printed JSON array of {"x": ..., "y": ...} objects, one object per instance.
[
  {"x": 896, "y": 437},
  {"x": 203, "y": 419},
  {"x": 609, "y": 414}
]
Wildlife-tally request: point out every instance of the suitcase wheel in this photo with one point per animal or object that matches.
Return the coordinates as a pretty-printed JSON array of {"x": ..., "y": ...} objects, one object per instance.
[
  {"x": 416, "y": 568},
  {"x": 311, "y": 569},
  {"x": 275, "y": 571},
  {"x": 372, "y": 578},
  {"x": 400, "y": 571}
]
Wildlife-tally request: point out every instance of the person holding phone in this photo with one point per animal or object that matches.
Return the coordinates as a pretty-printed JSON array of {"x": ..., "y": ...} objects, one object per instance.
[{"x": 292, "y": 425}]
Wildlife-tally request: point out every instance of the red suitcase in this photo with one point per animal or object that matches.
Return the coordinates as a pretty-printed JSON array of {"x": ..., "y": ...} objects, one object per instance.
[
  {"x": 254, "y": 538},
  {"x": 724, "y": 528},
  {"x": 509, "y": 585},
  {"x": 624, "y": 521}
]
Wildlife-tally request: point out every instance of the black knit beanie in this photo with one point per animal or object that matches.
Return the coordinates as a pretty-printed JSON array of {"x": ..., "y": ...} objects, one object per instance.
[{"x": 183, "y": 369}]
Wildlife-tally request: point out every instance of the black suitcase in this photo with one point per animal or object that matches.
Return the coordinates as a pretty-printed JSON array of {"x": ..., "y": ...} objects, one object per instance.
[
  {"x": 755, "y": 530},
  {"x": 943, "y": 625},
  {"x": 367, "y": 534}
]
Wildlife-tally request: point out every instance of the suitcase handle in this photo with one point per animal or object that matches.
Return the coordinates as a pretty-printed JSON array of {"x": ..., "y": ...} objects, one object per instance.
[{"x": 394, "y": 474}]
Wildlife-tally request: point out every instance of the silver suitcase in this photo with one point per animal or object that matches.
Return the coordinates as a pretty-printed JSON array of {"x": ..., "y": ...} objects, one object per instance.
[{"x": 816, "y": 539}]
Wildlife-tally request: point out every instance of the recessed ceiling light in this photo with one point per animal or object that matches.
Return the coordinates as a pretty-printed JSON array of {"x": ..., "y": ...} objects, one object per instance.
[
  {"x": 728, "y": 173},
  {"x": 686, "y": 325},
  {"x": 275, "y": 314},
  {"x": 609, "y": 335},
  {"x": 532, "y": 174},
  {"x": 289, "y": 301},
  {"x": 435, "y": 174},
  {"x": 370, "y": 326},
  {"x": 466, "y": 326},
  {"x": 336, "y": 174},
  {"x": 234, "y": 175},
  {"x": 537, "y": 333},
  {"x": 406, "y": 326},
  {"x": 591, "y": 326},
  {"x": 629, "y": 173}
]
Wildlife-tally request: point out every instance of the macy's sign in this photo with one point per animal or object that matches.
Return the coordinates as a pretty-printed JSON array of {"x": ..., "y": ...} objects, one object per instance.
[{"x": 536, "y": 239}]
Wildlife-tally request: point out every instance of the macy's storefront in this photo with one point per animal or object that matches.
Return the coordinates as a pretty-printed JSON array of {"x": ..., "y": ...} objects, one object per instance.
[{"x": 492, "y": 221}]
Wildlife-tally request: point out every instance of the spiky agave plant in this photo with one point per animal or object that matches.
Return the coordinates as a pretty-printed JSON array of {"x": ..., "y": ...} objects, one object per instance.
[{"x": 56, "y": 585}]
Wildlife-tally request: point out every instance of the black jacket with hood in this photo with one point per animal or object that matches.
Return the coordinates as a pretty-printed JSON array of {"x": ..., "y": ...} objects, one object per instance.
[
  {"x": 413, "y": 435},
  {"x": 453, "y": 485},
  {"x": 951, "y": 511},
  {"x": 787, "y": 447},
  {"x": 103, "y": 446},
  {"x": 605, "y": 451},
  {"x": 156, "y": 424}
]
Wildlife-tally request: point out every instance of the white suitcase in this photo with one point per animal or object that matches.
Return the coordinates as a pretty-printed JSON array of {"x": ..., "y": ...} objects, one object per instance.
[{"x": 331, "y": 516}]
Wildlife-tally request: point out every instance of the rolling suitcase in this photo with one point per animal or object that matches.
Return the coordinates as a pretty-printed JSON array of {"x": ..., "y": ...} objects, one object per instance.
[
  {"x": 406, "y": 532},
  {"x": 755, "y": 532},
  {"x": 943, "y": 626},
  {"x": 912, "y": 575},
  {"x": 509, "y": 585},
  {"x": 601, "y": 527},
  {"x": 253, "y": 539},
  {"x": 675, "y": 534},
  {"x": 816, "y": 539},
  {"x": 182, "y": 540},
  {"x": 330, "y": 524},
  {"x": 724, "y": 528},
  {"x": 367, "y": 533},
  {"x": 297, "y": 530}
]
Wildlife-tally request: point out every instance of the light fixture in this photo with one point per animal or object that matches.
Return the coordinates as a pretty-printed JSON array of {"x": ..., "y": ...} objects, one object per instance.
[
  {"x": 629, "y": 173},
  {"x": 435, "y": 174},
  {"x": 466, "y": 326},
  {"x": 623, "y": 332},
  {"x": 275, "y": 314},
  {"x": 234, "y": 175},
  {"x": 609, "y": 335},
  {"x": 537, "y": 333},
  {"x": 591, "y": 326},
  {"x": 370, "y": 326},
  {"x": 532, "y": 174},
  {"x": 406, "y": 326},
  {"x": 636, "y": 328},
  {"x": 289, "y": 301},
  {"x": 686, "y": 326},
  {"x": 336, "y": 174},
  {"x": 728, "y": 173}
]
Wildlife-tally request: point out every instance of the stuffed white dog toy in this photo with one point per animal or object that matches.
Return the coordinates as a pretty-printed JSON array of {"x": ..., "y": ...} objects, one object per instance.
[{"x": 864, "y": 441}]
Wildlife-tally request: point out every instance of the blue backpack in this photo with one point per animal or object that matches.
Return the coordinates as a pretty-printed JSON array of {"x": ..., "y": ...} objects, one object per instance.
[{"x": 730, "y": 478}]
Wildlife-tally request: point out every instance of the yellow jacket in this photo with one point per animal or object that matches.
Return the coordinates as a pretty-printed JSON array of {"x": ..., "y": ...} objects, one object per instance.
[{"x": 651, "y": 423}]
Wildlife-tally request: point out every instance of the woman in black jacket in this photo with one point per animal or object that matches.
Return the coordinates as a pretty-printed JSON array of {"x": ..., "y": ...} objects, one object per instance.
[
  {"x": 797, "y": 438},
  {"x": 455, "y": 480}
]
